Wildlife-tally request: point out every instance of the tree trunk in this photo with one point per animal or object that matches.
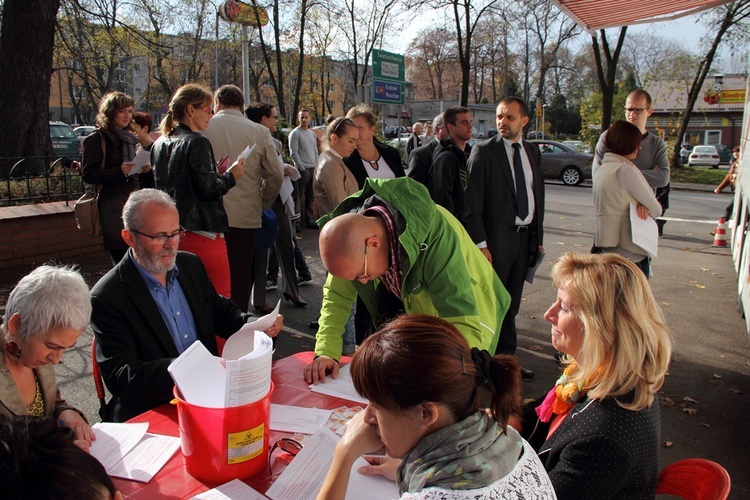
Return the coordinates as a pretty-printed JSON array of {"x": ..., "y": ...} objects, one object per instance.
[
  {"x": 26, "y": 47},
  {"x": 607, "y": 81}
]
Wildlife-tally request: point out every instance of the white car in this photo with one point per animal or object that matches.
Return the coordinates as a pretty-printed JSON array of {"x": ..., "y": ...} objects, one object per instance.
[
  {"x": 82, "y": 132},
  {"x": 704, "y": 155}
]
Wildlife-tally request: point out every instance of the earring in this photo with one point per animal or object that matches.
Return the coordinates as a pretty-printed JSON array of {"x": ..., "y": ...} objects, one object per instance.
[{"x": 13, "y": 349}]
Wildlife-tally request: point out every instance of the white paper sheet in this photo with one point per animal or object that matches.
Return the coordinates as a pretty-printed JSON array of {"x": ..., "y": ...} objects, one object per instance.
[
  {"x": 128, "y": 451},
  {"x": 141, "y": 160},
  {"x": 297, "y": 419},
  {"x": 645, "y": 232},
  {"x": 114, "y": 441},
  {"x": 243, "y": 341},
  {"x": 340, "y": 387},
  {"x": 246, "y": 152},
  {"x": 248, "y": 379},
  {"x": 304, "y": 476},
  {"x": 233, "y": 490},
  {"x": 147, "y": 458},
  {"x": 199, "y": 376}
]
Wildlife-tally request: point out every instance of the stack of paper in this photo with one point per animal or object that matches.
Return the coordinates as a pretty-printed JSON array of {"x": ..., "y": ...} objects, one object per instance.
[
  {"x": 128, "y": 451},
  {"x": 203, "y": 380}
]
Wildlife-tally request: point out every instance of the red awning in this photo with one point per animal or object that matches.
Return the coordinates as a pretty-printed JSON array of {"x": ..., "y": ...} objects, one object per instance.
[{"x": 593, "y": 15}]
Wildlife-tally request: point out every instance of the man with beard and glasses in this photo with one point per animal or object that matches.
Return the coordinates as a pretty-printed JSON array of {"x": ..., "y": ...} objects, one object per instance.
[{"x": 152, "y": 306}]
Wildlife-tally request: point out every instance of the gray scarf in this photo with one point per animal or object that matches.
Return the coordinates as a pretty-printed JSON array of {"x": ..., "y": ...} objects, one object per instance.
[
  {"x": 128, "y": 141},
  {"x": 469, "y": 454}
]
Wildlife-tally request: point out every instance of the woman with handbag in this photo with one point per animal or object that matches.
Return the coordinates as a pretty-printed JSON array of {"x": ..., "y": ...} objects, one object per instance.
[
  {"x": 185, "y": 168},
  {"x": 108, "y": 154}
]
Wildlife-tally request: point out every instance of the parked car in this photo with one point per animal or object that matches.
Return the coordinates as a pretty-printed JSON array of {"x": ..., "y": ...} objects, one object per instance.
[
  {"x": 685, "y": 153},
  {"x": 82, "y": 132},
  {"x": 564, "y": 163},
  {"x": 65, "y": 142},
  {"x": 704, "y": 155},
  {"x": 577, "y": 145},
  {"x": 725, "y": 154}
]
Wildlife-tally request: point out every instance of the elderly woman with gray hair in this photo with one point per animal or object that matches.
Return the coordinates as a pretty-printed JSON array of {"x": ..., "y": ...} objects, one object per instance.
[{"x": 46, "y": 313}]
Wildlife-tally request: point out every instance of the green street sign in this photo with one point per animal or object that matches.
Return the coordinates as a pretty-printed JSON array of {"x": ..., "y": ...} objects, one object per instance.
[{"x": 388, "y": 66}]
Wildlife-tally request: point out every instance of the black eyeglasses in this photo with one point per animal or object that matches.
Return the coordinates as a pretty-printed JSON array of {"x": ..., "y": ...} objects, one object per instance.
[
  {"x": 288, "y": 446},
  {"x": 635, "y": 111},
  {"x": 163, "y": 238}
]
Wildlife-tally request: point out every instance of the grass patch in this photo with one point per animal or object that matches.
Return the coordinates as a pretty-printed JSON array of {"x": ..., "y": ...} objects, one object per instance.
[{"x": 697, "y": 175}]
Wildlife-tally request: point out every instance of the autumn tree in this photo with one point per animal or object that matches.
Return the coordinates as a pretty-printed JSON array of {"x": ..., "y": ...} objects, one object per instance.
[
  {"x": 433, "y": 66},
  {"x": 730, "y": 21}
]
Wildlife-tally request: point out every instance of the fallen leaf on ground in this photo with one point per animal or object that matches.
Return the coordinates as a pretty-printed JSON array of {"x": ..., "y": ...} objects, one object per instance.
[
  {"x": 528, "y": 400},
  {"x": 704, "y": 424},
  {"x": 734, "y": 390},
  {"x": 668, "y": 444},
  {"x": 532, "y": 317},
  {"x": 535, "y": 348},
  {"x": 688, "y": 399},
  {"x": 668, "y": 401},
  {"x": 690, "y": 411},
  {"x": 716, "y": 376},
  {"x": 705, "y": 269}
]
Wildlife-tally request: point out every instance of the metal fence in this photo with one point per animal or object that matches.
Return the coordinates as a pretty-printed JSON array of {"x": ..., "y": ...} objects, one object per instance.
[{"x": 39, "y": 179}]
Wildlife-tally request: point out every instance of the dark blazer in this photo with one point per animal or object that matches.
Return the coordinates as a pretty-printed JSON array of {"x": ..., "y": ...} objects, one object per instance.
[
  {"x": 602, "y": 450},
  {"x": 420, "y": 162},
  {"x": 413, "y": 143},
  {"x": 115, "y": 186},
  {"x": 133, "y": 345},
  {"x": 491, "y": 204},
  {"x": 389, "y": 154}
]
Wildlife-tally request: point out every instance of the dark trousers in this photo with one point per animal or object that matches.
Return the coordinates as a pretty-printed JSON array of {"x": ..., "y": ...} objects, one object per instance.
[
  {"x": 240, "y": 246},
  {"x": 512, "y": 273},
  {"x": 284, "y": 249}
]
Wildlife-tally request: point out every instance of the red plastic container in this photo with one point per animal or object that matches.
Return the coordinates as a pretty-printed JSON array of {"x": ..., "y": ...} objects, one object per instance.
[{"x": 221, "y": 444}]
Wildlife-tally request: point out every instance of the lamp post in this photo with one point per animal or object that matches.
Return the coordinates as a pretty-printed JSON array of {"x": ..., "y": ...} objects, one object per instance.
[{"x": 543, "y": 106}]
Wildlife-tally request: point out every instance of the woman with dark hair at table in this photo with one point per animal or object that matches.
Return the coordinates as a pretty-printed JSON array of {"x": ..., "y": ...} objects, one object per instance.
[
  {"x": 597, "y": 430},
  {"x": 39, "y": 460},
  {"x": 185, "y": 168},
  {"x": 46, "y": 313},
  {"x": 108, "y": 154},
  {"x": 618, "y": 183},
  {"x": 424, "y": 387}
]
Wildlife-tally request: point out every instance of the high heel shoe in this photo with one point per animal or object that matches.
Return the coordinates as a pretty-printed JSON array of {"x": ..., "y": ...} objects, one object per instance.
[
  {"x": 297, "y": 301},
  {"x": 264, "y": 309}
]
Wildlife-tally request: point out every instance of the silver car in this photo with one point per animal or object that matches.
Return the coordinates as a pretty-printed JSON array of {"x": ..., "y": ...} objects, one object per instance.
[{"x": 564, "y": 163}]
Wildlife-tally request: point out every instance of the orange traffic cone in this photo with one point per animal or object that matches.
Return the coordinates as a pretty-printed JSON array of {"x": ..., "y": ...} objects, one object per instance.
[{"x": 720, "y": 236}]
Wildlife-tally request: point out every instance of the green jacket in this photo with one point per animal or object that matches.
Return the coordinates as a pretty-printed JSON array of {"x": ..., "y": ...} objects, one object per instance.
[{"x": 443, "y": 272}]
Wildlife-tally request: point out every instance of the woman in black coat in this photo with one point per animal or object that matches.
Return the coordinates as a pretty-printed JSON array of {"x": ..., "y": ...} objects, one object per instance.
[
  {"x": 597, "y": 431},
  {"x": 115, "y": 140},
  {"x": 372, "y": 158}
]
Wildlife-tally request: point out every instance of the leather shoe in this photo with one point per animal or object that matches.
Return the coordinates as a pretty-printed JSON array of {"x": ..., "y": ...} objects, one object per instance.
[
  {"x": 296, "y": 300},
  {"x": 526, "y": 374},
  {"x": 264, "y": 309}
]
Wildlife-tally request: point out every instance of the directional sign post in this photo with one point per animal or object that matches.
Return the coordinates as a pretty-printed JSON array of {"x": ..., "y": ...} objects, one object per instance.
[{"x": 388, "y": 77}]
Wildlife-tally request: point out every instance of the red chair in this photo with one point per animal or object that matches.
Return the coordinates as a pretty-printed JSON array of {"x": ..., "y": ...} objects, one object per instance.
[
  {"x": 98, "y": 382},
  {"x": 694, "y": 479}
]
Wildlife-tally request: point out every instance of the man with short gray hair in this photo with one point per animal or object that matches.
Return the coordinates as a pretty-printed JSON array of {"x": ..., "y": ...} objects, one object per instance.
[
  {"x": 155, "y": 303},
  {"x": 420, "y": 159}
]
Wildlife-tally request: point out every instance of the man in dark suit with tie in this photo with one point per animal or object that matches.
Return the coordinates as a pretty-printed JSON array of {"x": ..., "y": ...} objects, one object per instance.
[
  {"x": 420, "y": 159},
  {"x": 152, "y": 306},
  {"x": 505, "y": 208}
]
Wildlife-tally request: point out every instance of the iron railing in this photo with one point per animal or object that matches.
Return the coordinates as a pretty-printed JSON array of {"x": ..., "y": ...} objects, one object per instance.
[{"x": 39, "y": 179}]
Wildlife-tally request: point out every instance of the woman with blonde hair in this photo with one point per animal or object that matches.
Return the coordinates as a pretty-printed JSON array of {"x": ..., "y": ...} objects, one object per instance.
[
  {"x": 108, "y": 154},
  {"x": 440, "y": 410},
  {"x": 597, "y": 430},
  {"x": 185, "y": 168},
  {"x": 333, "y": 181}
]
